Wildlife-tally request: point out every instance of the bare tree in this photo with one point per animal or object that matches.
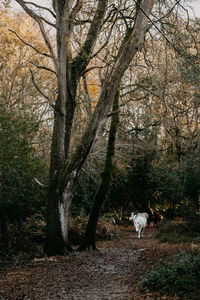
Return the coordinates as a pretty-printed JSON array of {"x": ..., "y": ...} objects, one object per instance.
[{"x": 69, "y": 67}]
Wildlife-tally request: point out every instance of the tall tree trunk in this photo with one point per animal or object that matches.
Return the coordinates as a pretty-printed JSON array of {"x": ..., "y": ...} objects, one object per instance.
[
  {"x": 65, "y": 178},
  {"x": 64, "y": 170},
  {"x": 56, "y": 237},
  {"x": 103, "y": 190}
]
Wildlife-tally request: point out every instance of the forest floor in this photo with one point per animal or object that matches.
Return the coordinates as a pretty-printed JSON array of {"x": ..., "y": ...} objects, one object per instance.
[{"x": 112, "y": 273}]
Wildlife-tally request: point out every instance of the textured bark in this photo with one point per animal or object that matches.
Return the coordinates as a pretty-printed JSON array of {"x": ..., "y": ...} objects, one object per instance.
[
  {"x": 64, "y": 170},
  {"x": 130, "y": 46},
  {"x": 90, "y": 233},
  {"x": 55, "y": 233}
]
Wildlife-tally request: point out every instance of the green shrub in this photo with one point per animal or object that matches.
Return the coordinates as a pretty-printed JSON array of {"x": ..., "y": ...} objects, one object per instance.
[
  {"x": 178, "y": 232},
  {"x": 181, "y": 277},
  {"x": 20, "y": 195},
  {"x": 83, "y": 195}
]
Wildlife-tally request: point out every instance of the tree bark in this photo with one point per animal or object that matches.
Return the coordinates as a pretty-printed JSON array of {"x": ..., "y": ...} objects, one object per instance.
[
  {"x": 64, "y": 170},
  {"x": 89, "y": 238},
  {"x": 56, "y": 237},
  {"x": 70, "y": 171}
]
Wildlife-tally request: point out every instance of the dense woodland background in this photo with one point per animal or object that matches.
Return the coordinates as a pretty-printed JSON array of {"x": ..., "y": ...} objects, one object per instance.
[
  {"x": 156, "y": 158},
  {"x": 156, "y": 161}
]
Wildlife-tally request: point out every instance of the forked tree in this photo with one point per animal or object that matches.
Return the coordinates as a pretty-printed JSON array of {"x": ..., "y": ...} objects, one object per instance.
[{"x": 69, "y": 67}]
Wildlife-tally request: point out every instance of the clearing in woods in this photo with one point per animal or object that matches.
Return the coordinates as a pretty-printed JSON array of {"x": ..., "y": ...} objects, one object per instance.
[{"x": 112, "y": 273}]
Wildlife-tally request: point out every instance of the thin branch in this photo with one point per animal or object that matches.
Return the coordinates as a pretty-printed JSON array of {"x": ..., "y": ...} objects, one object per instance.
[
  {"x": 113, "y": 113},
  {"x": 40, "y": 184},
  {"x": 147, "y": 90},
  {"x": 92, "y": 35},
  {"x": 124, "y": 18},
  {"x": 88, "y": 173},
  {"x": 42, "y": 7},
  {"x": 40, "y": 17},
  {"x": 169, "y": 12},
  {"x": 48, "y": 43},
  {"x": 37, "y": 18},
  {"x": 27, "y": 44},
  {"x": 131, "y": 99},
  {"x": 106, "y": 42},
  {"x": 90, "y": 69},
  {"x": 38, "y": 89},
  {"x": 162, "y": 33},
  {"x": 187, "y": 13},
  {"x": 76, "y": 9},
  {"x": 110, "y": 16},
  {"x": 43, "y": 67},
  {"x": 81, "y": 22}
]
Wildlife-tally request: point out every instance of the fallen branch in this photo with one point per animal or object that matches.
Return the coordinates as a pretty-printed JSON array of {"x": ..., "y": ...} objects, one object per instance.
[{"x": 41, "y": 184}]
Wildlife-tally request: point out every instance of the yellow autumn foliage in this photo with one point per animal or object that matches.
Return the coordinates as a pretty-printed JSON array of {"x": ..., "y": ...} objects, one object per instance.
[
  {"x": 93, "y": 88},
  {"x": 18, "y": 31}
]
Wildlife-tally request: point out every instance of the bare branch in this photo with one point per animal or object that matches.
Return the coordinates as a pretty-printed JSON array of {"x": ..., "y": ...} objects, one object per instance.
[
  {"x": 106, "y": 42},
  {"x": 82, "y": 22},
  {"x": 43, "y": 67},
  {"x": 40, "y": 17},
  {"x": 165, "y": 37},
  {"x": 113, "y": 113},
  {"x": 169, "y": 12},
  {"x": 147, "y": 90},
  {"x": 39, "y": 90},
  {"x": 27, "y": 44},
  {"x": 42, "y": 7},
  {"x": 76, "y": 9},
  {"x": 37, "y": 18},
  {"x": 40, "y": 184},
  {"x": 90, "y": 41},
  {"x": 90, "y": 69},
  {"x": 48, "y": 43}
]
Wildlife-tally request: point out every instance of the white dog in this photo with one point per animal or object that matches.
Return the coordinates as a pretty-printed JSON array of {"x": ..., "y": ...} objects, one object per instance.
[{"x": 140, "y": 222}]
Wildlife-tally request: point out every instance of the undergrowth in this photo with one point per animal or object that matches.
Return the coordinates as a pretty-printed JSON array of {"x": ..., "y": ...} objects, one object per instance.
[
  {"x": 181, "y": 277},
  {"x": 178, "y": 232}
]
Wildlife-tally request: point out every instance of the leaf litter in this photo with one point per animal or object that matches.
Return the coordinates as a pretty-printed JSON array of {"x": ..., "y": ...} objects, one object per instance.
[{"x": 112, "y": 273}]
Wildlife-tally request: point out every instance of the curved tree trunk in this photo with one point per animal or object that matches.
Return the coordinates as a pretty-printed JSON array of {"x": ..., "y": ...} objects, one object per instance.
[
  {"x": 90, "y": 233},
  {"x": 64, "y": 170},
  {"x": 66, "y": 176}
]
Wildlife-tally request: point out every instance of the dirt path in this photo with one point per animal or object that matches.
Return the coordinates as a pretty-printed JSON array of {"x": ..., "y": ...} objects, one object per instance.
[{"x": 110, "y": 274}]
